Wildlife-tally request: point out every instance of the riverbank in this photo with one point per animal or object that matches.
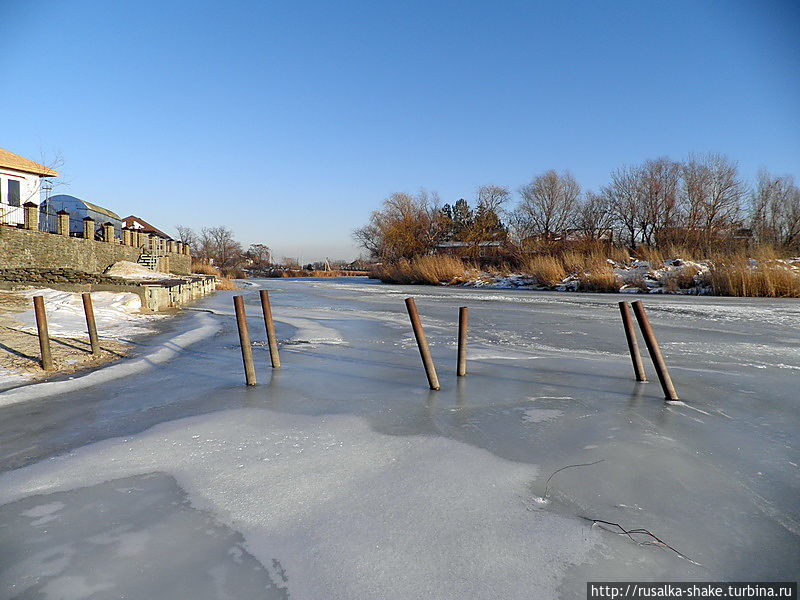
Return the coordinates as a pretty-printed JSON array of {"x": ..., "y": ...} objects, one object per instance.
[
  {"x": 119, "y": 321},
  {"x": 731, "y": 275}
]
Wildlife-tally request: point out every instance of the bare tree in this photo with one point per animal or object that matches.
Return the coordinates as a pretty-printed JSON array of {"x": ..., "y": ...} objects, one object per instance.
[
  {"x": 776, "y": 210},
  {"x": 711, "y": 195},
  {"x": 290, "y": 263},
  {"x": 658, "y": 196},
  {"x": 548, "y": 204},
  {"x": 622, "y": 194},
  {"x": 594, "y": 217},
  {"x": 260, "y": 254},
  {"x": 493, "y": 197},
  {"x": 186, "y": 235},
  {"x": 644, "y": 199},
  {"x": 218, "y": 245}
]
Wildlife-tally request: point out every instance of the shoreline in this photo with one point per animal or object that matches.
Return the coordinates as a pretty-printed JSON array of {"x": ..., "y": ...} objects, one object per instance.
[{"x": 122, "y": 329}]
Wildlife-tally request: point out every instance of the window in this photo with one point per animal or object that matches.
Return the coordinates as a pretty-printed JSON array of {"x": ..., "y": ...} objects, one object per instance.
[{"x": 13, "y": 192}]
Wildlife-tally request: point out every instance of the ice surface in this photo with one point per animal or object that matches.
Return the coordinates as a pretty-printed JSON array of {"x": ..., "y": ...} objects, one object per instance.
[
  {"x": 349, "y": 512},
  {"x": 168, "y": 549},
  {"x": 342, "y": 469}
]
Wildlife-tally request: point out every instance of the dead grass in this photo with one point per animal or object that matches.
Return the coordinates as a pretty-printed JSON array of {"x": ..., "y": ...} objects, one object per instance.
[
  {"x": 761, "y": 279},
  {"x": 682, "y": 279},
  {"x": 599, "y": 277},
  {"x": 546, "y": 270},
  {"x": 432, "y": 270},
  {"x": 204, "y": 269},
  {"x": 224, "y": 284}
]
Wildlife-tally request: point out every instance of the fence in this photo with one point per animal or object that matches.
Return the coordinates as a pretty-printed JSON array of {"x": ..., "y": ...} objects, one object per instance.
[{"x": 11, "y": 215}]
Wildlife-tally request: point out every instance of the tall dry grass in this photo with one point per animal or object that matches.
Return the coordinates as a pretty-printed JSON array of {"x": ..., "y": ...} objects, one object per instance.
[
  {"x": 223, "y": 283},
  {"x": 545, "y": 269},
  {"x": 767, "y": 279},
  {"x": 599, "y": 277},
  {"x": 432, "y": 270}
]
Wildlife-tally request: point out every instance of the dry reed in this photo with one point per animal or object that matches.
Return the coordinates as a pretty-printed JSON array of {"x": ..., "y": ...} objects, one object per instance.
[
  {"x": 754, "y": 279},
  {"x": 432, "y": 270},
  {"x": 546, "y": 270}
]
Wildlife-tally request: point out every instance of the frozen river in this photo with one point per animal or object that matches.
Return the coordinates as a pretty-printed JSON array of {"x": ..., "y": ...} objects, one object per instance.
[{"x": 343, "y": 476}]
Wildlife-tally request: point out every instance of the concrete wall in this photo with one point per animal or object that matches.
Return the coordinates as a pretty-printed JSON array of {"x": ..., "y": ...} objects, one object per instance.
[{"x": 20, "y": 248}]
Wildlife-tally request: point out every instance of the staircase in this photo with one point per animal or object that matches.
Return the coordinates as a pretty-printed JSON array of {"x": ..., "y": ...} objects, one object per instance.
[{"x": 149, "y": 260}]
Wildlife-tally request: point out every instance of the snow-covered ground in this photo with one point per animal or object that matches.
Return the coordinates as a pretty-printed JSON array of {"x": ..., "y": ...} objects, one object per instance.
[
  {"x": 135, "y": 271},
  {"x": 117, "y": 315},
  {"x": 342, "y": 476}
]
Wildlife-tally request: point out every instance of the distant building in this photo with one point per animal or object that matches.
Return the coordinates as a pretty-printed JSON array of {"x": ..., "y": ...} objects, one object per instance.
[
  {"x": 78, "y": 210},
  {"x": 487, "y": 249},
  {"x": 133, "y": 222},
  {"x": 20, "y": 182}
]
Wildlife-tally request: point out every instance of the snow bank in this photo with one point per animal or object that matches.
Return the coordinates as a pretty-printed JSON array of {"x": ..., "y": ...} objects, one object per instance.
[
  {"x": 131, "y": 270},
  {"x": 117, "y": 314},
  {"x": 347, "y": 512},
  {"x": 205, "y": 326}
]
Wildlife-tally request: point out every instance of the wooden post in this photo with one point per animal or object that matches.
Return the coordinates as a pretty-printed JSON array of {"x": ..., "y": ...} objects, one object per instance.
[
  {"x": 44, "y": 337},
  {"x": 463, "y": 320},
  {"x": 271, "y": 339},
  {"x": 655, "y": 351},
  {"x": 633, "y": 343},
  {"x": 91, "y": 326},
  {"x": 244, "y": 340},
  {"x": 424, "y": 351}
]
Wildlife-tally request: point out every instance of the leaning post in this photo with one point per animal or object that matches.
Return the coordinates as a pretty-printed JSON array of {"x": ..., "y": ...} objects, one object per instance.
[
  {"x": 244, "y": 340},
  {"x": 270, "y": 325},
  {"x": 91, "y": 325},
  {"x": 633, "y": 343},
  {"x": 655, "y": 351},
  {"x": 422, "y": 342},
  {"x": 463, "y": 320},
  {"x": 44, "y": 337}
]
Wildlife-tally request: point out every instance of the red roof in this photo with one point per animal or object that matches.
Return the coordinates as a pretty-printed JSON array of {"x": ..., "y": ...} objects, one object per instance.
[{"x": 143, "y": 226}]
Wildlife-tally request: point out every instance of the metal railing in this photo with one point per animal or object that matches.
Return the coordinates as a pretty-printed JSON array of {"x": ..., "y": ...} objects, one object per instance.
[{"x": 11, "y": 215}]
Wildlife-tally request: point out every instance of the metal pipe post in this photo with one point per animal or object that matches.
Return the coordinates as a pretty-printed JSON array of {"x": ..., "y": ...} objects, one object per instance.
[
  {"x": 463, "y": 320},
  {"x": 422, "y": 342},
  {"x": 655, "y": 351},
  {"x": 244, "y": 340},
  {"x": 44, "y": 337},
  {"x": 271, "y": 339},
  {"x": 91, "y": 326},
  {"x": 633, "y": 343}
]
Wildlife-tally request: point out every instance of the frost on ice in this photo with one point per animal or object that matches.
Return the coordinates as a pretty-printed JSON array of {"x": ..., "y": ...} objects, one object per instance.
[{"x": 327, "y": 506}]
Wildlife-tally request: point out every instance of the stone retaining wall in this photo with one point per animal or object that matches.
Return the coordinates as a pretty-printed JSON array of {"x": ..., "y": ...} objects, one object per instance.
[{"x": 23, "y": 248}]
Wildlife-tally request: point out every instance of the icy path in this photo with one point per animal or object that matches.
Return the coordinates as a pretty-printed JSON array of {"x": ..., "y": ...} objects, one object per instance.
[{"x": 341, "y": 476}]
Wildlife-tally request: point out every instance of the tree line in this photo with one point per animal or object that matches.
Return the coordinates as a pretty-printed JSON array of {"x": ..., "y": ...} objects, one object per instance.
[
  {"x": 701, "y": 203},
  {"x": 218, "y": 247}
]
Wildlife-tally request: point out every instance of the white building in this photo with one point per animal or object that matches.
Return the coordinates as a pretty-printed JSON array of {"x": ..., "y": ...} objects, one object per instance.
[{"x": 20, "y": 182}]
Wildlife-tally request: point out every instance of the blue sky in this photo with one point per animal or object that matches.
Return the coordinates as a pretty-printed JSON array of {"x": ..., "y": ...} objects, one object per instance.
[{"x": 289, "y": 122}]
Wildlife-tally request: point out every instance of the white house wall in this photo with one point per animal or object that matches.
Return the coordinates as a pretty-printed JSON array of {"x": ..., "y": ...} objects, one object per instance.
[{"x": 30, "y": 188}]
